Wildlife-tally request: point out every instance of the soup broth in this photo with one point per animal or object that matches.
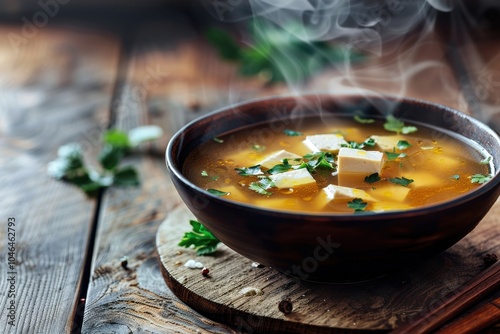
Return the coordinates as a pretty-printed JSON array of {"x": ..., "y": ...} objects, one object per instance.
[{"x": 338, "y": 165}]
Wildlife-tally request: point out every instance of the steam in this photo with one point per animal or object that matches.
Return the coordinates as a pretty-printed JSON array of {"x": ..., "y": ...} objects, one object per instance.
[{"x": 379, "y": 29}]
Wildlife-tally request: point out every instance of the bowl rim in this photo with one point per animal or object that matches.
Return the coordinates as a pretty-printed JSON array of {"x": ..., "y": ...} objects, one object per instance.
[{"x": 362, "y": 216}]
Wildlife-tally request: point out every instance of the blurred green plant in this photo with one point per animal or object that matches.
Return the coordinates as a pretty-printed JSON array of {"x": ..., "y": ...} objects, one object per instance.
[
  {"x": 279, "y": 54},
  {"x": 70, "y": 165}
]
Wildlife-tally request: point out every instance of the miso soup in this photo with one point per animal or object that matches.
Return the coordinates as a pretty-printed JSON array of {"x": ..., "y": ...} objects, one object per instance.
[{"x": 338, "y": 165}]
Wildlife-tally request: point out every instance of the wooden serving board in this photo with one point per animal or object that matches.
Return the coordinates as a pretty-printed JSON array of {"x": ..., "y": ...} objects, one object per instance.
[{"x": 378, "y": 305}]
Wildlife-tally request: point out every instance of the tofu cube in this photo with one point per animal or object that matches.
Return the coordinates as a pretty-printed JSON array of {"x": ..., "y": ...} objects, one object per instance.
[
  {"x": 277, "y": 158},
  {"x": 354, "y": 165},
  {"x": 387, "y": 143},
  {"x": 292, "y": 179},
  {"x": 339, "y": 193},
  {"x": 327, "y": 142}
]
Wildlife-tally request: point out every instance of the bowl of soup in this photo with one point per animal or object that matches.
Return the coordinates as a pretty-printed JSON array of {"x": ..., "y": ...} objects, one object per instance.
[{"x": 337, "y": 188}]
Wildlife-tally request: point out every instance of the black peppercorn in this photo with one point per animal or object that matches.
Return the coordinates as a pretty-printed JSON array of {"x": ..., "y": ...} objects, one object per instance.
[{"x": 285, "y": 306}]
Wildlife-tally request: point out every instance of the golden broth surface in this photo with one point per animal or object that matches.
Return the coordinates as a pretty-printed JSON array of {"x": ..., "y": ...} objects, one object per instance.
[{"x": 440, "y": 166}]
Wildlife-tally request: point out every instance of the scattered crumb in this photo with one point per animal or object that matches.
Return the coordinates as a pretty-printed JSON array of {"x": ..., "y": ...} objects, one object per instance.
[
  {"x": 251, "y": 291},
  {"x": 257, "y": 265},
  {"x": 192, "y": 264},
  {"x": 178, "y": 263},
  {"x": 178, "y": 252}
]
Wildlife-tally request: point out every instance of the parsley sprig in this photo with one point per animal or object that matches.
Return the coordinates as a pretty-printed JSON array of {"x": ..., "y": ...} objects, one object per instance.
[
  {"x": 70, "y": 164},
  {"x": 395, "y": 125},
  {"x": 357, "y": 204},
  {"x": 200, "y": 238}
]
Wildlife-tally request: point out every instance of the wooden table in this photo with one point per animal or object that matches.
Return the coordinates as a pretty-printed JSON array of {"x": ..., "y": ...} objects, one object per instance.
[{"x": 72, "y": 78}]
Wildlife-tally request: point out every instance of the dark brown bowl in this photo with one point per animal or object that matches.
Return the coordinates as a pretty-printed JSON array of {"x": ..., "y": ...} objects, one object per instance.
[{"x": 336, "y": 247}]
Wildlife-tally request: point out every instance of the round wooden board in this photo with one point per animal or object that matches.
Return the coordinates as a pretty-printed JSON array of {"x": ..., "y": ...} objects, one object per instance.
[{"x": 378, "y": 305}]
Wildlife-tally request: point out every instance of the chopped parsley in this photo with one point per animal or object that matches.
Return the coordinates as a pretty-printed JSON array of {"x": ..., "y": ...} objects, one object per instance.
[
  {"x": 317, "y": 160},
  {"x": 248, "y": 171},
  {"x": 403, "y": 145},
  {"x": 363, "y": 120},
  {"x": 486, "y": 160},
  {"x": 200, "y": 238},
  {"x": 280, "y": 168},
  {"x": 395, "y": 125},
  {"x": 262, "y": 186},
  {"x": 217, "y": 192},
  {"x": 204, "y": 173},
  {"x": 372, "y": 178},
  {"x": 357, "y": 204},
  {"x": 368, "y": 142},
  {"x": 218, "y": 140},
  {"x": 402, "y": 181},
  {"x": 479, "y": 178},
  {"x": 258, "y": 148},
  {"x": 393, "y": 156},
  {"x": 455, "y": 177},
  {"x": 292, "y": 133}
]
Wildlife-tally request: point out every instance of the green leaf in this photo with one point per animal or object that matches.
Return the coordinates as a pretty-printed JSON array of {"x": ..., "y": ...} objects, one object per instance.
[
  {"x": 317, "y": 160},
  {"x": 368, "y": 142},
  {"x": 480, "y": 178},
  {"x": 292, "y": 133},
  {"x": 126, "y": 176},
  {"x": 218, "y": 140},
  {"x": 363, "y": 120},
  {"x": 200, "y": 238},
  {"x": 116, "y": 138},
  {"x": 402, "y": 145},
  {"x": 258, "y": 148},
  {"x": 111, "y": 156},
  {"x": 395, "y": 125},
  {"x": 372, "y": 178},
  {"x": 143, "y": 134},
  {"x": 280, "y": 168},
  {"x": 217, "y": 192},
  {"x": 486, "y": 160},
  {"x": 357, "y": 204},
  {"x": 204, "y": 173},
  {"x": 455, "y": 177},
  {"x": 262, "y": 186},
  {"x": 402, "y": 181},
  {"x": 224, "y": 43},
  {"x": 393, "y": 156},
  {"x": 248, "y": 171}
]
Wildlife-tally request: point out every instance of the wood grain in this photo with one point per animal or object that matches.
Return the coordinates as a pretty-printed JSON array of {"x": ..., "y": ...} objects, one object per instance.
[
  {"x": 378, "y": 305},
  {"x": 136, "y": 300},
  {"x": 52, "y": 91}
]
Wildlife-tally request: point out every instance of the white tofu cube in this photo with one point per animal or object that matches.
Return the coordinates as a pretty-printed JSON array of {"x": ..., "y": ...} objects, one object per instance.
[
  {"x": 350, "y": 160},
  {"x": 338, "y": 193},
  {"x": 387, "y": 143},
  {"x": 277, "y": 158},
  {"x": 292, "y": 179},
  {"x": 327, "y": 142},
  {"x": 354, "y": 165}
]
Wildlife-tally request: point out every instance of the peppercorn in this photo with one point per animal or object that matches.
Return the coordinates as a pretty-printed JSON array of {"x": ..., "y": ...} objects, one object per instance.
[
  {"x": 205, "y": 271},
  {"x": 489, "y": 259},
  {"x": 285, "y": 306},
  {"x": 124, "y": 262}
]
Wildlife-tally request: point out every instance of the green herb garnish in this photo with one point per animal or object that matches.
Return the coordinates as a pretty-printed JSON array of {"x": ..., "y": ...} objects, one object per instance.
[
  {"x": 258, "y": 148},
  {"x": 248, "y": 171},
  {"x": 455, "y": 177},
  {"x": 363, "y": 120},
  {"x": 262, "y": 186},
  {"x": 200, "y": 238},
  {"x": 402, "y": 181},
  {"x": 292, "y": 133},
  {"x": 71, "y": 167},
  {"x": 395, "y": 125},
  {"x": 217, "y": 192},
  {"x": 393, "y": 156},
  {"x": 479, "y": 178},
  {"x": 357, "y": 204},
  {"x": 217, "y": 140},
  {"x": 403, "y": 144},
  {"x": 317, "y": 160},
  {"x": 486, "y": 160},
  {"x": 372, "y": 178},
  {"x": 352, "y": 144},
  {"x": 280, "y": 168}
]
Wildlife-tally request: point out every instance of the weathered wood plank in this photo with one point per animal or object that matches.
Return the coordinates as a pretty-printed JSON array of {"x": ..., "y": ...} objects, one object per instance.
[
  {"x": 377, "y": 305},
  {"x": 136, "y": 299},
  {"x": 53, "y": 90}
]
